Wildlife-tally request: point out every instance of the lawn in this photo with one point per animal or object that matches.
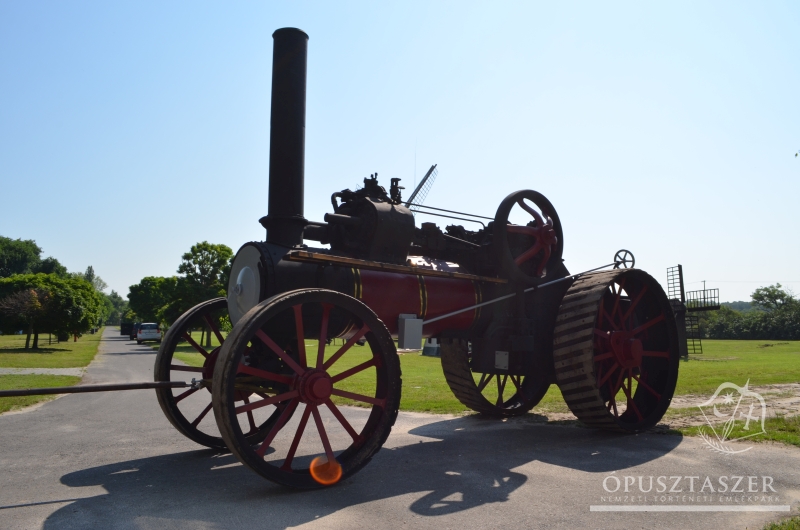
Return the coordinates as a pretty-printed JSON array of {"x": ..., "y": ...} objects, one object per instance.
[
  {"x": 736, "y": 361},
  {"x": 14, "y": 382},
  {"x": 67, "y": 354}
]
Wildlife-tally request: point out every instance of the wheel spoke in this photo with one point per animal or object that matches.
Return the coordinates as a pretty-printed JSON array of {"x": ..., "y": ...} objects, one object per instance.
[
  {"x": 184, "y": 368},
  {"x": 602, "y": 334},
  {"x": 647, "y": 324},
  {"x": 196, "y": 346},
  {"x": 619, "y": 384},
  {"x": 528, "y": 254},
  {"x": 358, "y": 397},
  {"x": 352, "y": 371},
  {"x": 635, "y": 302},
  {"x": 531, "y": 211},
  {"x": 279, "y": 352},
  {"x": 301, "y": 337},
  {"x": 603, "y": 356},
  {"x": 484, "y": 381},
  {"x": 263, "y": 374},
  {"x": 500, "y": 388},
  {"x": 202, "y": 415},
  {"x": 282, "y": 419},
  {"x": 617, "y": 309},
  {"x": 186, "y": 394},
  {"x": 517, "y": 382},
  {"x": 545, "y": 259},
  {"x": 346, "y": 424},
  {"x": 613, "y": 403},
  {"x": 287, "y": 464},
  {"x": 608, "y": 374},
  {"x": 608, "y": 317},
  {"x": 250, "y": 419},
  {"x": 647, "y": 387},
  {"x": 269, "y": 401},
  {"x": 630, "y": 403},
  {"x": 323, "y": 334},
  {"x": 663, "y": 354},
  {"x": 322, "y": 434},
  {"x": 355, "y": 338},
  {"x": 214, "y": 327}
]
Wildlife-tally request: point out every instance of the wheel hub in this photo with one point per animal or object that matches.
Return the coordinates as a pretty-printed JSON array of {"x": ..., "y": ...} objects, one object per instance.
[
  {"x": 627, "y": 349},
  {"x": 315, "y": 387}
]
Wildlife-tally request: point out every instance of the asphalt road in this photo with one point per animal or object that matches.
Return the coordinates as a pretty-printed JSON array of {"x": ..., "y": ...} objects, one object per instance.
[{"x": 113, "y": 461}]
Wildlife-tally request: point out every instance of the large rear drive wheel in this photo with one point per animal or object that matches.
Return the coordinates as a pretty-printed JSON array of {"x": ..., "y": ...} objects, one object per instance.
[
  {"x": 312, "y": 440},
  {"x": 616, "y": 350}
]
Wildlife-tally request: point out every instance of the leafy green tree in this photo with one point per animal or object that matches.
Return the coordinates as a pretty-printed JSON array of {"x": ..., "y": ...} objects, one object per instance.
[
  {"x": 51, "y": 266},
  {"x": 52, "y": 304},
  {"x": 149, "y": 297},
  {"x": 206, "y": 267},
  {"x": 118, "y": 307},
  {"x": 773, "y": 298},
  {"x": 96, "y": 281},
  {"x": 18, "y": 256}
]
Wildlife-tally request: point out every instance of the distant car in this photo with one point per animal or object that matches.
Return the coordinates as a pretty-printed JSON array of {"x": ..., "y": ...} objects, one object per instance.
[
  {"x": 126, "y": 328},
  {"x": 135, "y": 329},
  {"x": 148, "y": 331}
]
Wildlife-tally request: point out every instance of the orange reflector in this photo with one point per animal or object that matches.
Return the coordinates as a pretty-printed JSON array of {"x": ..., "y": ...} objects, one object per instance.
[{"x": 324, "y": 472}]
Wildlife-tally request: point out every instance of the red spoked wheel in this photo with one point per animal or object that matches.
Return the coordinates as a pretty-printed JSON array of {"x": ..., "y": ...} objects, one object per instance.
[
  {"x": 181, "y": 357},
  {"x": 616, "y": 350},
  {"x": 524, "y": 251},
  {"x": 299, "y": 387}
]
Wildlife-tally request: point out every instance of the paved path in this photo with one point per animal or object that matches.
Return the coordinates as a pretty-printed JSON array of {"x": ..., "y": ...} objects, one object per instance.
[{"x": 113, "y": 461}]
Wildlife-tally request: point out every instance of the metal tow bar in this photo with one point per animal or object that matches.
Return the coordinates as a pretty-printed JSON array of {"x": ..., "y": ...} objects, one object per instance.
[{"x": 95, "y": 388}]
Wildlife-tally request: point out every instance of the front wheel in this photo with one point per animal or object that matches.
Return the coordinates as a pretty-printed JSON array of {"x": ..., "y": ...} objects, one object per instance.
[{"x": 278, "y": 355}]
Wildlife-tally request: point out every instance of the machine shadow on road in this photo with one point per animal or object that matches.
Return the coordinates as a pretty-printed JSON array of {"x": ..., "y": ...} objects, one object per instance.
[{"x": 448, "y": 466}]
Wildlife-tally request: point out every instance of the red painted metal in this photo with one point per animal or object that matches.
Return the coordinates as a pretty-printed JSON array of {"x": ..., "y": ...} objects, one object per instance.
[{"x": 424, "y": 296}]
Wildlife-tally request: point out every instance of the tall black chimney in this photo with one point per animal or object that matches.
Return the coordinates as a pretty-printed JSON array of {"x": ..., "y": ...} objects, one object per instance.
[{"x": 284, "y": 221}]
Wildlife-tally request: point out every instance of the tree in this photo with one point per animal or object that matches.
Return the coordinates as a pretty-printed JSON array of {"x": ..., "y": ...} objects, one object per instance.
[
  {"x": 51, "y": 266},
  {"x": 18, "y": 256},
  {"x": 53, "y": 304},
  {"x": 118, "y": 307},
  {"x": 773, "y": 298},
  {"x": 96, "y": 281},
  {"x": 149, "y": 297},
  {"x": 207, "y": 266},
  {"x": 26, "y": 307}
]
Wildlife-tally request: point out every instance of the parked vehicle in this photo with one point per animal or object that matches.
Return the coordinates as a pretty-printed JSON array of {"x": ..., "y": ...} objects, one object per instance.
[
  {"x": 135, "y": 330},
  {"x": 148, "y": 331},
  {"x": 126, "y": 328}
]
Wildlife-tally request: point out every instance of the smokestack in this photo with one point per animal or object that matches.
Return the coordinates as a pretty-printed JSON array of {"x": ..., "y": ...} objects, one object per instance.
[{"x": 284, "y": 221}]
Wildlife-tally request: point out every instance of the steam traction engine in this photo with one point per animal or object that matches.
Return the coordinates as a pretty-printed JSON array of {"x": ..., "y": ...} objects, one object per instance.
[{"x": 314, "y": 325}]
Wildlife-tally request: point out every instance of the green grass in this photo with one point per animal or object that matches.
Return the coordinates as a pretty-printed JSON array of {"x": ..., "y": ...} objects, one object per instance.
[
  {"x": 14, "y": 382},
  {"x": 779, "y": 429},
  {"x": 736, "y": 361},
  {"x": 66, "y": 354},
  {"x": 786, "y": 524}
]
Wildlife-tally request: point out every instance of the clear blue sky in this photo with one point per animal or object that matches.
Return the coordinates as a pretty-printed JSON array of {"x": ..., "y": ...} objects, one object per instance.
[{"x": 131, "y": 130}]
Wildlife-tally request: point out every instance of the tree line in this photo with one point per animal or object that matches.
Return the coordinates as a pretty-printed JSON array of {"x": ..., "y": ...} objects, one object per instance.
[
  {"x": 774, "y": 314},
  {"x": 38, "y": 295}
]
